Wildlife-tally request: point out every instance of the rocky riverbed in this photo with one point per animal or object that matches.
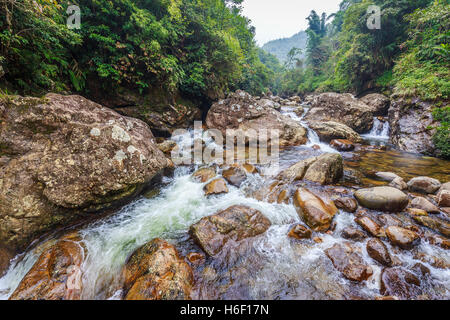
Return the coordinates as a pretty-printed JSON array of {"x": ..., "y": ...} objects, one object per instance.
[{"x": 345, "y": 215}]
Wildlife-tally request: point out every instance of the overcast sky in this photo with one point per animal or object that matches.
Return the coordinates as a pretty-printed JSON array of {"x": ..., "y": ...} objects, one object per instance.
[{"x": 276, "y": 19}]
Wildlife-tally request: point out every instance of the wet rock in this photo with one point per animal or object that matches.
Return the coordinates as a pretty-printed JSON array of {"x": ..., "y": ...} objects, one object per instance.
[
  {"x": 342, "y": 145},
  {"x": 388, "y": 220},
  {"x": 240, "y": 111},
  {"x": 196, "y": 258},
  {"x": 235, "y": 176},
  {"x": 250, "y": 168},
  {"x": 424, "y": 204},
  {"x": 233, "y": 224},
  {"x": 300, "y": 232},
  {"x": 399, "y": 283},
  {"x": 424, "y": 185},
  {"x": 68, "y": 156},
  {"x": 317, "y": 212},
  {"x": 56, "y": 275},
  {"x": 398, "y": 183},
  {"x": 435, "y": 224},
  {"x": 155, "y": 271},
  {"x": 417, "y": 212},
  {"x": 410, "y": 123},
  {"x": 402, "y": 238},
  {"x": 204, "y": 174},
  {"x": 378, "y": 103},
  {"x": 299, "y": 111},
  {"x": 370, "y": 226},
  {"x": 296, "y": 171},
  {"x": 346, "y": 204},
  {"x": 348, "y": 262},
  {"x": 354, "y": 234},
  {"x": 378, "y": 251},
  {"x": 382, "y": 198},
  {"x": 217, "y": 186},
  {"x": 331, "y": 130},
  {"x": 167, "y": 146},
  {"x": 444, "y": 198},
  {"x": 327, "y": 169},
  {"x": 343, "y": 108},
  {"x": 5, "y": 258}
]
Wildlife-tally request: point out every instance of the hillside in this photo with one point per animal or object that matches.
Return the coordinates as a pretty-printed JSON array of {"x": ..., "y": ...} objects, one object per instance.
[{"x": 281, "y": 47}]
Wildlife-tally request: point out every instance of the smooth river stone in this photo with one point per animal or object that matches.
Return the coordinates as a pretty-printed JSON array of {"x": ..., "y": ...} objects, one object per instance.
[{"x": 382, "y": 198}]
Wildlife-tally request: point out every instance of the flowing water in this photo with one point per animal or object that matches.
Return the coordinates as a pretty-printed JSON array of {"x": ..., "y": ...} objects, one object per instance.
[
  {"x": 380, "y": 130},
  {"x": 269, "y": 266}
]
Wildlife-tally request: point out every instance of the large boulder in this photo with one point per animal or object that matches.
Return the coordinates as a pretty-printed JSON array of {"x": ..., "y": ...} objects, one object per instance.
[
  {"x": 346, "y": 260},
  {"x": 424, "y": 184},
  {"x": 156, "y": 271},
  {"x": 163, "y": 113},
  {"x": 382, "y": 198},
  {"x": 378, "y": 103},
  {"x": 343, "y": 108},
  {"x": 325, "y": 169},
  {"x": 233, "y": 224},
  {"x": 317, "y": 212},
  {"x": 56, "y": 275},
  {"x": 331, "y": 130},
  {"x": 410, "y": 122},
  {"x": 240, "y": 111},
  {"x": 64, "y": 157}
]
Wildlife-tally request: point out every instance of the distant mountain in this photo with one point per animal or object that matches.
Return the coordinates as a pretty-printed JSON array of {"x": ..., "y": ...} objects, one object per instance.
[{"x": 281, "y": 47}]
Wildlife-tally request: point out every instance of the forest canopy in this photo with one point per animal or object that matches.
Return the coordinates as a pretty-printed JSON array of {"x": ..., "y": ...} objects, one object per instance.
[{"x": 201, "y": 48}]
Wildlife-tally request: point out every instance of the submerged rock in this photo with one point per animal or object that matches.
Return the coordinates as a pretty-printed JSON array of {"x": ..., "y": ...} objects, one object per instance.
[
  {"x": 438, "y": 225},
  {"x": 348, "y": 262},
  {"x": 155, "y": 271},
  {"x": 382, "y": 198},
  {"x": 56, "y": 275},
  {"x": 386, "y": 176},
  {"x": 343, "y": 108},
  {"x": 342, "y": 145},
  {"x": 400, "y": 283},
  {"x": 402, "y": 238},
  {"x": 424, "y": 185},
  {"x": 241, "y": 111},
  {"x": 68, "y": 155},
  {"x": 378, "y": 251},
  {"x": 317, "y": 212},
  {"x": 331, "y": 130},
  {"x": 233, "y": 224}
]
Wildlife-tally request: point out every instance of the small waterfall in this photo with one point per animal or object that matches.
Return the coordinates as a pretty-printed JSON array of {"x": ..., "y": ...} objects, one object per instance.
[
  {"x": 380, "y": 130},
  {"x": 313, "y": 138}
]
